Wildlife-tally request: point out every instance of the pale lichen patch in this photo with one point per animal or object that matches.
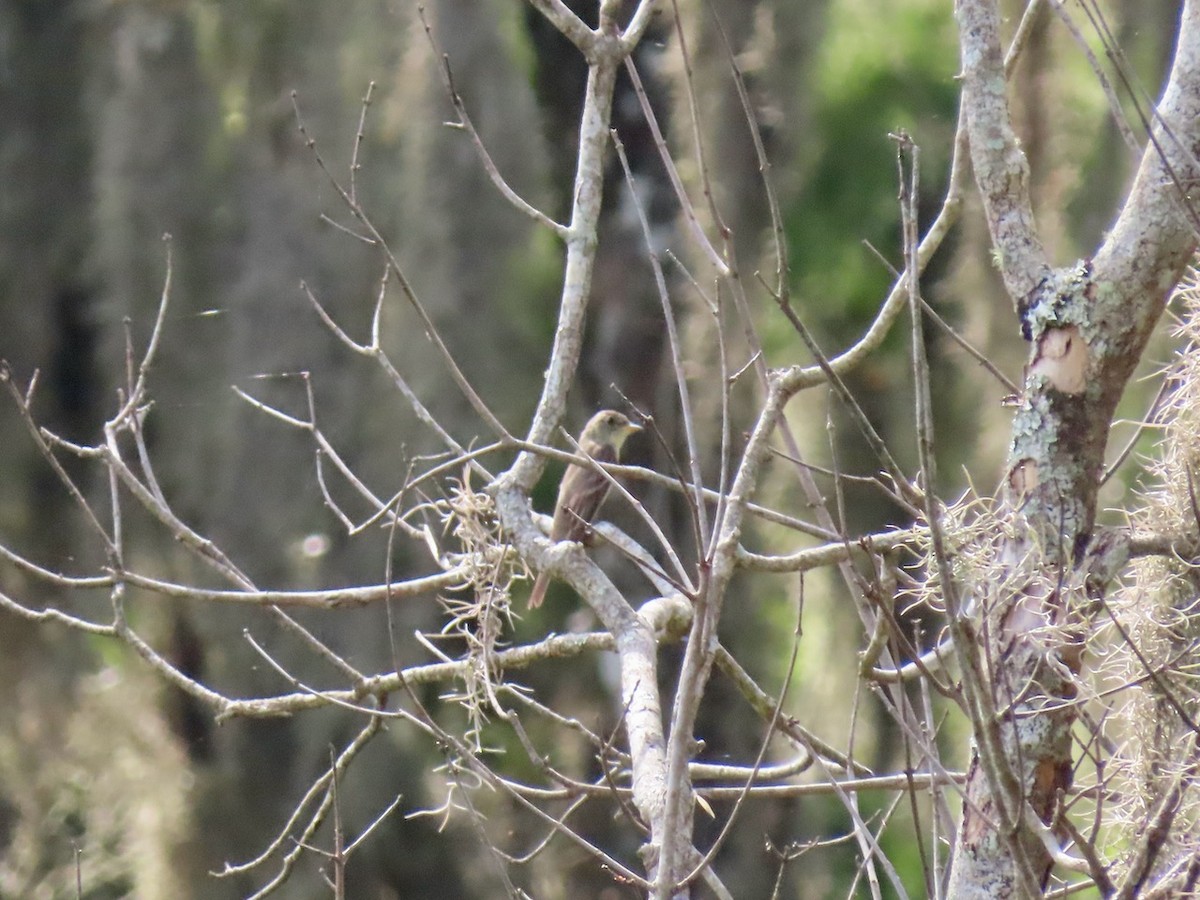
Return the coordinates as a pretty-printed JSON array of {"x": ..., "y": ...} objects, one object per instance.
[
  {"x": 1023, "y": 477},
  {"x": 1062, "y": 357}
]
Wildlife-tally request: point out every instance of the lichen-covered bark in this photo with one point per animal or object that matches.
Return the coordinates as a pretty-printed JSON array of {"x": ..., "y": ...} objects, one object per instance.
[{"x": 1087, "y": 325}]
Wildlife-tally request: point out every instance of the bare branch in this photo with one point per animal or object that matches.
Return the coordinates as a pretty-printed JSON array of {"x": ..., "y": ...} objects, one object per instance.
[
  {"x": 334, "y": 598},
  {"x": 465, "y": 123},
  {"x": 1001, "y": 170},
  {"x": 570, "y": 25}
]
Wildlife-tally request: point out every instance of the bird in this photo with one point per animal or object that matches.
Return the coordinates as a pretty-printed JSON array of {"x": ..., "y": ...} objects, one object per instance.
[{"x": 583, "y": 488}]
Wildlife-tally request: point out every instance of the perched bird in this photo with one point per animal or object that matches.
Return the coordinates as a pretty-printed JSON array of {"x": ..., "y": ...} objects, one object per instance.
[{"x": 583, "y": 488}]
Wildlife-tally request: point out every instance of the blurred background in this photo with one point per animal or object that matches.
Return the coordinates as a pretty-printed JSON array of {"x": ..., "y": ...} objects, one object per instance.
[{"x": 120, "y": 122}]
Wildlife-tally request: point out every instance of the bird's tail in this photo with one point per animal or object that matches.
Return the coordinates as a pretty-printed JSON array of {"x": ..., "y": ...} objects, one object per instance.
[{"x": 538, "y": 594}]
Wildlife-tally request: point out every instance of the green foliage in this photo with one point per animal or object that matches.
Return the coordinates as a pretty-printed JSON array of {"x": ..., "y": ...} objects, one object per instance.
[
  {"x": 528, "y": 295},
  {"x": 877, "y": 72}
]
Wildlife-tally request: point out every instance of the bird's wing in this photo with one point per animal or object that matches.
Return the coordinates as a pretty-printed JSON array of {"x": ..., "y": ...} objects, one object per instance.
[{"x": 580, "y": 496}]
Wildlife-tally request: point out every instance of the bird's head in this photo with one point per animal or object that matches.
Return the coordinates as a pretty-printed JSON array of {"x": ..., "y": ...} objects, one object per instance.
[{"x": 608, "y": 427}]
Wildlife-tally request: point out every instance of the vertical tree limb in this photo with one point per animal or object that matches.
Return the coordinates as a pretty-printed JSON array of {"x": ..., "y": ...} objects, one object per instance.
[{"x": 1088, "y": 324}]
